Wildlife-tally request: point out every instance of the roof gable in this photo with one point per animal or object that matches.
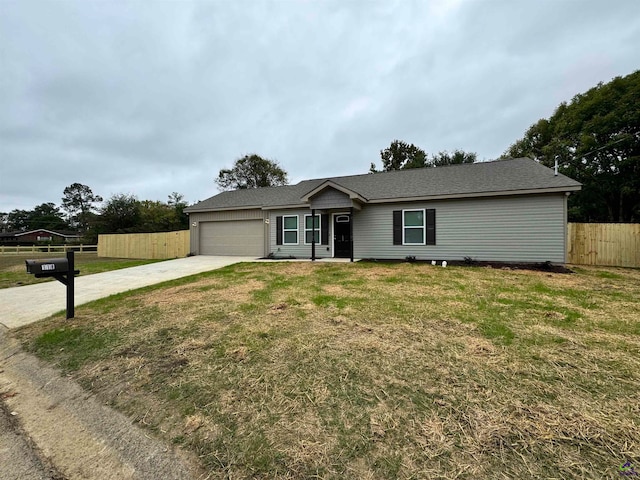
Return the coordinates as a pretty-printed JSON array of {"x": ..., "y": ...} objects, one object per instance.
[{"x": 329, "y": 184}]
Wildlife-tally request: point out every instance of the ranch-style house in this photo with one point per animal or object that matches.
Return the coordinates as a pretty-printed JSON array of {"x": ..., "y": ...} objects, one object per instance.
[{"x": 512, "y": 210}]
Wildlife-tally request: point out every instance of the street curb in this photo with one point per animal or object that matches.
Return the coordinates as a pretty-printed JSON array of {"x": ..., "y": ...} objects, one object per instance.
[{"x": 72, "y": 431}]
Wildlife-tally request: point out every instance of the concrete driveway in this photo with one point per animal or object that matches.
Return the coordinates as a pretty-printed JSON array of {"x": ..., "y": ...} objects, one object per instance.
[{"x": 30, "y": 303}]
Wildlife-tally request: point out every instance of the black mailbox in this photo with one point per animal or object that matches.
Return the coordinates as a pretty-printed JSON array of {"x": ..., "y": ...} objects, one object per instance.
[
  {"x": 62, "y": 269},
  {"x": 47, "y": 268}
]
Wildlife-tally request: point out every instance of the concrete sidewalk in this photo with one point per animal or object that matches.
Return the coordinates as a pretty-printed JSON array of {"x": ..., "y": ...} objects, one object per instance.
[{"x": 30, "y": 303}]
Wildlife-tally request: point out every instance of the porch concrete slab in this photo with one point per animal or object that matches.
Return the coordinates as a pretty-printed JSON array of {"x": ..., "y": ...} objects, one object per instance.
[{"x": 30, "y": 303}]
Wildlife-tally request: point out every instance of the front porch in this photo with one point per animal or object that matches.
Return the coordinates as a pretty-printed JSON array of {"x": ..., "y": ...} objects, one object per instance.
[{"x": 341, "y": 232}]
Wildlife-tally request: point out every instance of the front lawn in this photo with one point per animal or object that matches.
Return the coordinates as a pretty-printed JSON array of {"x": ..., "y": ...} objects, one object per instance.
[
  {"x": 13, "y": 272},
  {"x": 301, "y": 370}
]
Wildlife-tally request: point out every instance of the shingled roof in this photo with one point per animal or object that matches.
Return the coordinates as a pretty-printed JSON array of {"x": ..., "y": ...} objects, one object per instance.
[{"x": 499, "y": 177}]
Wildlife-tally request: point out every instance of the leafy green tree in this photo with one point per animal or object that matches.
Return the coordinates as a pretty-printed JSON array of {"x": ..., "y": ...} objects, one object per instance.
[
  {"x": 175, "y": 199},
  {"x": 157, "y": 216},
  {"x": 120, "y": 214},
  {"x": 400, "y": 156},
  {"x": 18, "y": 220},
  {"x": 177, "y": 202},
  {"x": 596, "y": 140},
  {"x": 252, "y": 171},
  {"x": 94, "y": 228},
  {"x": 536, "y": 138},
  {"x": 79, "y": 202},
  {"x": 47, "y": 216},
  {"x": 455, "y": 158}
]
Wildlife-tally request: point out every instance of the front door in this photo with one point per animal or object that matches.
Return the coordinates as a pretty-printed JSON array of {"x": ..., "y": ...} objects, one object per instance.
[{"x": 342, "y": 236}]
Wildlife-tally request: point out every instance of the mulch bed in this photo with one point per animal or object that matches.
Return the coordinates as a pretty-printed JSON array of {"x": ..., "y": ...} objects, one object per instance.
[{"x": 538, "y": 267}]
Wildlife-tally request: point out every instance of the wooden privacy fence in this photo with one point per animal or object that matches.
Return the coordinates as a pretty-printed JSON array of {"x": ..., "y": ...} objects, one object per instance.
[
  {"x": 612, "y": 244},
  {"x": 144, "y": 245}
]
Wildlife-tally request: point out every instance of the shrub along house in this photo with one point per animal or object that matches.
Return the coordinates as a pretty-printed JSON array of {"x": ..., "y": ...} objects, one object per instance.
[{"x": 512, "y": 210}]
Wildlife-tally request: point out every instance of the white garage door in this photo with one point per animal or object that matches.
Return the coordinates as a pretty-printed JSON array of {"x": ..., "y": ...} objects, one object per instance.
[{"x": 238, "y": 237}]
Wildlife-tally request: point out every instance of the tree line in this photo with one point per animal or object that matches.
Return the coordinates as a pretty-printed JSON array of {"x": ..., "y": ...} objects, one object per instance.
[{"x": 87, "y": 213}]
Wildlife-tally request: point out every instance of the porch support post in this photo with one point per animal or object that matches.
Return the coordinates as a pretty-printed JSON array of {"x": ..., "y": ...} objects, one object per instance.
[
  {"x": 313, "y": 234},
  {"x": 351, "y": 230}
]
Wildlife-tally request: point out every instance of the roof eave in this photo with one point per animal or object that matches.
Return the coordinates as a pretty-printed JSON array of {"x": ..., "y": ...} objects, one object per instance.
[
  {"x": 221, "y": 209},
  {"x": 478, "y": 194},
  {"x": 285, "y": 207}
]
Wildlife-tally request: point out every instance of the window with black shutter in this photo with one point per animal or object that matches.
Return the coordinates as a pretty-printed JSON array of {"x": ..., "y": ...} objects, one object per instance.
[
  {"x": 414, "y": 227},
  {"x": 324, "y": 229},
  {"x": 279, "y": 230}
]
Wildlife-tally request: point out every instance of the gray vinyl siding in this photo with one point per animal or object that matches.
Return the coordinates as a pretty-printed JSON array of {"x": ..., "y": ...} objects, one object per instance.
[
  {"x": 528, "y": 228},
  {"x": 301, "y": 250},
  {"x": 330, "y": 198},
  {"x": 197, "y": 217}
]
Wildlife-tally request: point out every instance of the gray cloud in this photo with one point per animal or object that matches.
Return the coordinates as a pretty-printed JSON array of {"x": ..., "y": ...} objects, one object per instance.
[{"x": 151, "y": 98}]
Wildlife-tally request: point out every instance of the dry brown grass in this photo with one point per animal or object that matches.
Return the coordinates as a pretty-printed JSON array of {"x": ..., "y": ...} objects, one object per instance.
[{"x": 372, "y": 371}]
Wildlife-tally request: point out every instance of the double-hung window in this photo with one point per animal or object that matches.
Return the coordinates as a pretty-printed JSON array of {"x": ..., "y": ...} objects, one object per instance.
[
  {"x": 413, "y": 227},
  {"x": 311, "y": 224},
  {"x": 290, "y": 229}
]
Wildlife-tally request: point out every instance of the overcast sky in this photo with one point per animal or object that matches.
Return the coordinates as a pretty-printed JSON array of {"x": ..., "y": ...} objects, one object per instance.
[{"x": 152, "y": 97}]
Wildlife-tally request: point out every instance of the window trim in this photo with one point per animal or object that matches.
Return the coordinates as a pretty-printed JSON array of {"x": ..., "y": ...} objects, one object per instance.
[
  {"x": 319, "y": 229},
  {"x": 284, "y": 230},
  {"x": 423, "y": 227}
]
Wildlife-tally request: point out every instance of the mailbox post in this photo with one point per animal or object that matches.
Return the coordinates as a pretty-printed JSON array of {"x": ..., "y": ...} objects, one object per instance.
[{"x": 62, "y": 269}]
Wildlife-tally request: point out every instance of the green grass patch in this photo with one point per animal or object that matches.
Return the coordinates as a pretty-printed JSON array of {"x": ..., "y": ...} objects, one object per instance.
[
  {"x": 72, "y": 347},
  {"x": 329, "y": 300},
  {"x": 497, "y": 331}
]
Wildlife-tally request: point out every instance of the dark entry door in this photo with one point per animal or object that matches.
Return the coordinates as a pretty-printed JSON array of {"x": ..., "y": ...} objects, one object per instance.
[{"x": 342, "y": 236}]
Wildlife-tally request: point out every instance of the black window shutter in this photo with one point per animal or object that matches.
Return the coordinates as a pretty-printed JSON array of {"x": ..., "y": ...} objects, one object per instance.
[
  {"x": 397, "y": 227},
  {"x": 324, "y": 229},
  {"x": 431, "y": 226},
  {"x": 279, "y": 230}
]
